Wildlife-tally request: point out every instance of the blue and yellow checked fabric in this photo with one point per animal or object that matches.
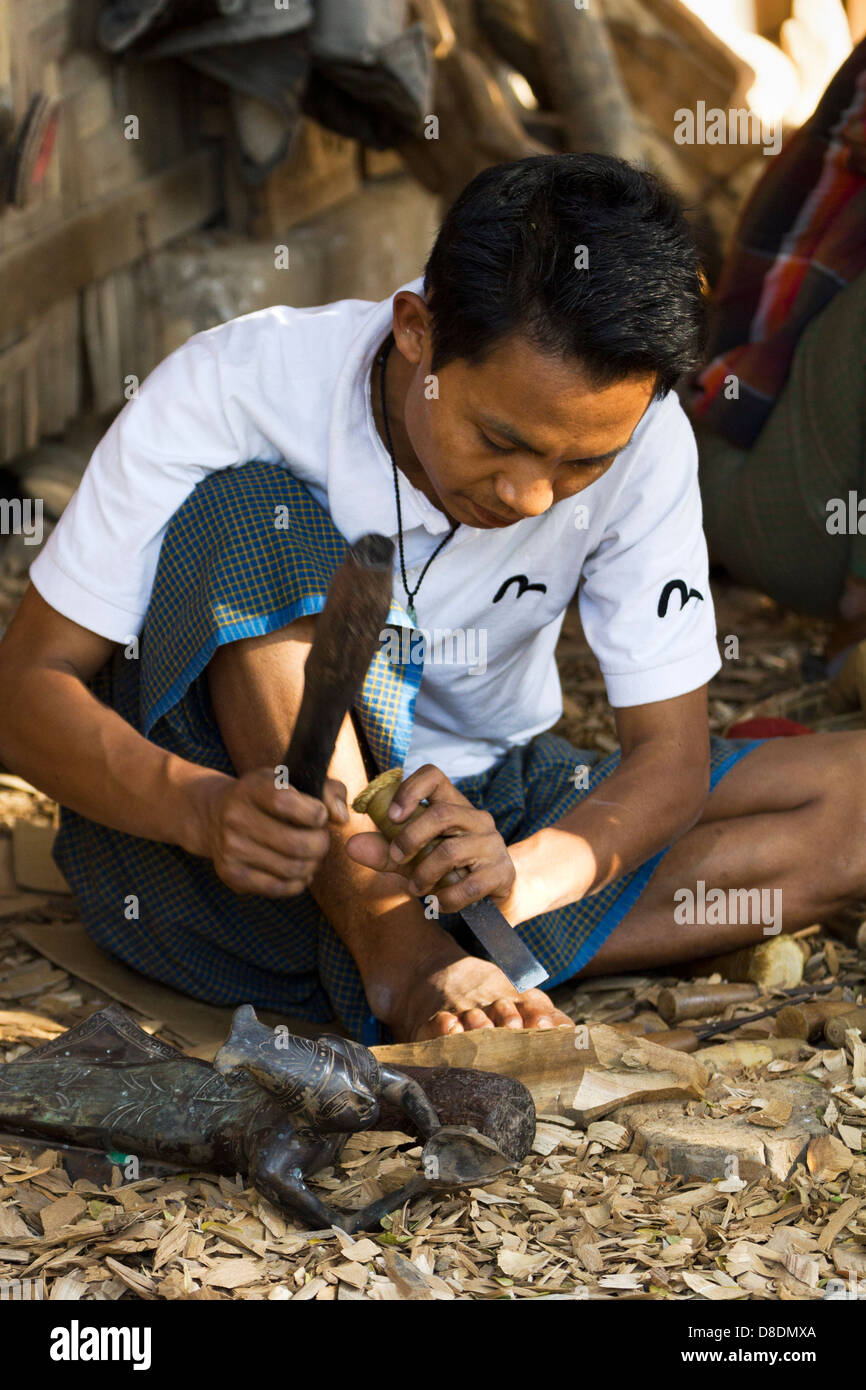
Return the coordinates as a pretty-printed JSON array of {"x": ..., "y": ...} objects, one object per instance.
[{"x": 230, "y": 570}]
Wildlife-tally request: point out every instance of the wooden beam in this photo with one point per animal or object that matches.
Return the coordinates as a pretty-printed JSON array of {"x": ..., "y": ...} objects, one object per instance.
[
  {"x": 112, "y": 233},
  {"x": 581, "y": 70},
  {"x": 581, "y": 1075},
  {"x": 477, "y": 128}
]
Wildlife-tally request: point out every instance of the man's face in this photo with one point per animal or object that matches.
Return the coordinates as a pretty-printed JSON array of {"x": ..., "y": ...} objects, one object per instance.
[{"x": 509, "y": 437}]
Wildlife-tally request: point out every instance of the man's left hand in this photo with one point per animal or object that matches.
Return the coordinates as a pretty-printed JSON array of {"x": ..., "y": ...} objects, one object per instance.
[{"x": 470, "y": 842}]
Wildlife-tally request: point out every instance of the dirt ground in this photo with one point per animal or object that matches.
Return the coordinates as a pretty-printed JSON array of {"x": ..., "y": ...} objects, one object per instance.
[{"x": 588, "y": 1215}]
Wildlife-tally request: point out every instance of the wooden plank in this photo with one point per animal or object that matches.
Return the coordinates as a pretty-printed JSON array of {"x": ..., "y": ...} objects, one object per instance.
[
  {"x": 111, "y": 234},
  {"x": 575, "y": 1074},
  {"x": 30, "y": 405},
  {"x": 119, "y": 332},
  {"x": 549, "y": 1063},
  {"x": 19, "y": 416},
  {"x": 102, "y": 337},
  {"x": 140, "y": 314},
  {"x": 59, "y": 366}
]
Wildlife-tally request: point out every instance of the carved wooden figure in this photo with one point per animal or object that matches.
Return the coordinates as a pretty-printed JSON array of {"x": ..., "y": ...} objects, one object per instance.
[{"x": 274, "y": 1106}]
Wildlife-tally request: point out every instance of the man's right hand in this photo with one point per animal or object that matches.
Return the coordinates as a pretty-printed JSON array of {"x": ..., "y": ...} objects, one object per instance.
[{"x": 270, "y": 840}]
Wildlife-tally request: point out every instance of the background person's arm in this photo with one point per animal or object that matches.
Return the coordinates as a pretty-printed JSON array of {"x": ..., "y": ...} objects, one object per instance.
[{"x": 54, "y": 732}]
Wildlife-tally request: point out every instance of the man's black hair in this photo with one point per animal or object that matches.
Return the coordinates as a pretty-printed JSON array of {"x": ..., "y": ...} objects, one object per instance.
[{"x": 505, "y": 258}]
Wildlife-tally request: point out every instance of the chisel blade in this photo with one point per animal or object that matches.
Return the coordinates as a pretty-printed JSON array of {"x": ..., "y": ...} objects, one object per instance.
[{"x": 503, "y": 945}]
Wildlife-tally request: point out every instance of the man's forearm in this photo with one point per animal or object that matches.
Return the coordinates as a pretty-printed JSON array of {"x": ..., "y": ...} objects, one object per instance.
[
  {"x": 640, "y": 809},
  {"x": 78, "y": 751},
  {"x": 61, "y": 738}
]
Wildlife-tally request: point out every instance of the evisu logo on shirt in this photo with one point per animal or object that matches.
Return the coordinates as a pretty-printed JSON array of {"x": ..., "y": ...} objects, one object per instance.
[
  {"x": 677, "y": 586},
  {"x": 523, "y": 587}
]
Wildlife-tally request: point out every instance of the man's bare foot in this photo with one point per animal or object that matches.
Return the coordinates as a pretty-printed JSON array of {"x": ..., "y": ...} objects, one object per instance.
[{"x": 459, "y": 993}]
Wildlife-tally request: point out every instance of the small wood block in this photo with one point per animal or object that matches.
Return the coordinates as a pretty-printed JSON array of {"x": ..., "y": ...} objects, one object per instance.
[
  {"x": 31, "y": 854},
  {"x": 702, "y": 1146}
]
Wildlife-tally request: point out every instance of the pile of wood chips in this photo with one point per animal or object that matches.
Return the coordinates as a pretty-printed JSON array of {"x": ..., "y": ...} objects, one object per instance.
[
  {"x": 582, "y": 1218},
  {"x": 587, "y": 1215}
]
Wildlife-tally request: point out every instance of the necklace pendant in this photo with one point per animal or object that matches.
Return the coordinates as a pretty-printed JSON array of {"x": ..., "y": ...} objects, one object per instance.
[{"x": 413, "y": 616}]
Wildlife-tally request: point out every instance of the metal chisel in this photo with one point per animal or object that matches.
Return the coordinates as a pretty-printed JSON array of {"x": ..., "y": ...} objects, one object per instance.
[{"x": 504, "y": 947}]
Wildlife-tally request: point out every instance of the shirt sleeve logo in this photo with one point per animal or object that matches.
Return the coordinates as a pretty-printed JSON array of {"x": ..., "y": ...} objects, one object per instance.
[
  {"x": 677, "y": 586},
  {"x": 523, "y": 587}
]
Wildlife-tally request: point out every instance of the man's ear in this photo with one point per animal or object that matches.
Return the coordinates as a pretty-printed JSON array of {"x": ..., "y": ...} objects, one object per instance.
[{"x": 412, "y": 326}]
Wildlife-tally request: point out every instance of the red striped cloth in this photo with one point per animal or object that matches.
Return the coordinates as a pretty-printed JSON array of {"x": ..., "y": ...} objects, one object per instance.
[{"x": 801, "y": 238}]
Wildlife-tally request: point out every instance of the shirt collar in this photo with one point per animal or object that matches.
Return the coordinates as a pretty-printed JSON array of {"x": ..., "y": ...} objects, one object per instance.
[{"x": 360, "y": 474}]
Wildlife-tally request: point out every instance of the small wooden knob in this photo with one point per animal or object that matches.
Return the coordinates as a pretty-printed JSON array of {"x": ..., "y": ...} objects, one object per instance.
[
  {"x": 807, "y": 1020},
  {"x": 836, "y": 1028}
]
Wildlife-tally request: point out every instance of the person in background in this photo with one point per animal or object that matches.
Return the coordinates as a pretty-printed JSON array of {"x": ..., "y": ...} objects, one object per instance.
[{"x": 779, "y": 409}]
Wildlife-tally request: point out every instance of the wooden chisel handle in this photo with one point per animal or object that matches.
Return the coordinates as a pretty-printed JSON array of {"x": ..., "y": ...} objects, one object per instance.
[
  {"x": 702, "y": 1001},
  {"x": 483, "y": 918},
  {"x": 375, "y": 801}
]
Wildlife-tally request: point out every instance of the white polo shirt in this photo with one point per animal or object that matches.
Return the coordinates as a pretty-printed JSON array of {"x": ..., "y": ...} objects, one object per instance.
[{"x": 292, "y": 386}]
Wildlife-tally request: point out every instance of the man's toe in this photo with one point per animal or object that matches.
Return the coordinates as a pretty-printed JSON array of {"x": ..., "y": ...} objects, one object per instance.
[
  {"x": 538, "y": 1011},
  {"x": 475, "y": 1018},
  {"x": 505, "y": 1014},
  {"x": 439, "y": 1026}
]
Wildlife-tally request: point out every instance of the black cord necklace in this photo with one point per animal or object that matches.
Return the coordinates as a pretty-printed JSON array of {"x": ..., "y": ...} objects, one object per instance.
[{"x": 410, "y": 593}]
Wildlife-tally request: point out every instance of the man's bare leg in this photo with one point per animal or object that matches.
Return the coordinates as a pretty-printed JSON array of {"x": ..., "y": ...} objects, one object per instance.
[
  {"x": 416, "y": 978},
  {"x": 790, "y": 816}
]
